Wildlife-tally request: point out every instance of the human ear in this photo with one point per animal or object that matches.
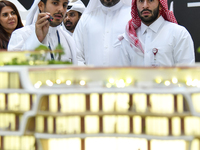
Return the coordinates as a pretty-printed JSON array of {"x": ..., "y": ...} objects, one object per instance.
[
  {"x": 41, "y": 6},
  {"x": 160, "y": 7}
]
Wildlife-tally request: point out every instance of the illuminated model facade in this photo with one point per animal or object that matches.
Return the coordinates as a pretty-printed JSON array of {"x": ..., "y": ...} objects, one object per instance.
[{"x": 73, "y": 108}]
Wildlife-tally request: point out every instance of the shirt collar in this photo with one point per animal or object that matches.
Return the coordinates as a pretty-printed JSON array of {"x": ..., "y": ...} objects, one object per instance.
[
  {"x": 154, "y": 26},
  {"x": 70, "y": 33},
  {"x": 52, "y": 29},
  {"x": 113, "y": 8},
  {"x": 63, "y": 28}
]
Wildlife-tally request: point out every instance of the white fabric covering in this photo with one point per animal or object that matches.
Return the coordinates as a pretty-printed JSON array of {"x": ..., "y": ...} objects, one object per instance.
[
  {"x": 173, "y": 42},
  {"x": 33, "y": 13},
  {"x": 94, "y": 4},
  {"x": 77, "y": 6},
  {"x": 97, "y": 32},
  {"x": 25, "y": 38}
]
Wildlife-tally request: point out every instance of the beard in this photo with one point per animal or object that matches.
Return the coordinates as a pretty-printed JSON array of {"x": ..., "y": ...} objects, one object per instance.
[
  {"x": 72, "y": 25},
  {"x": 70, "y": 28},
  {"x": 109, "y": 3},
  {"x": 55, "y": 24},
  {"x": 151, "y": 19}
]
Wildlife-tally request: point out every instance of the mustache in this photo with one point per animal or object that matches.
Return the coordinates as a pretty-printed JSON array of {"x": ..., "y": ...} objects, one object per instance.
[
  {"x": 59, "y": 14},
  {"x": 68, "y": 22},
  {"x": 146, "y": 10}
]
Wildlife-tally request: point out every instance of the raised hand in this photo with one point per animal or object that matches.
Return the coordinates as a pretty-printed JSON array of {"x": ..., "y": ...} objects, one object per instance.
[{"x": 42, "y": 26}]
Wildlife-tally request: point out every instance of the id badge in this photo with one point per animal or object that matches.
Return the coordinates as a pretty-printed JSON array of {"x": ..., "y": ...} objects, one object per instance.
[{"x": 154, "y": 62}]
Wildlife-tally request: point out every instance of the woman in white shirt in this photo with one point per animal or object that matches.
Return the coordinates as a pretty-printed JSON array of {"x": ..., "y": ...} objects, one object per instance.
[{"x": 9, "y": 21}]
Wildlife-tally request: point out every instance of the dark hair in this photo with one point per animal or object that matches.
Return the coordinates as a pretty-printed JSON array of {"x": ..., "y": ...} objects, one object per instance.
[
  {"x": 44, "y": 1},
  {"x": 79, "y": 14},
  {"x": 69, "y": 7},
  {"x": 4, "y": 36}
]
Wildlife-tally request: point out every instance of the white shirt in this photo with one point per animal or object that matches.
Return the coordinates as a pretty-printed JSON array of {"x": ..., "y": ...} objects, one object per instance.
[
  {"x": 62, "y": 27},
  {"x": 25, "y": 39},
  {"x": 96, "y": 33},
  {"x": 173, "y": 42}
]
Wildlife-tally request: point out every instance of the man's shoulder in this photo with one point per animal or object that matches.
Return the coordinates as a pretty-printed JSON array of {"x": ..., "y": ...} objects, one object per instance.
[
  {"x": 122, "y": 40},
  {"x": 86, "y": 18},
  {"x": 66, "y": 35},
  {"x": 60, "y": 29},
  {"x": 64, "y": 30},
  {"x": 174, "y": 26},
  {"x": 125, "y": 6},
  {"x": 25, "y": 30},
  {"x": 176, "y": 30}
]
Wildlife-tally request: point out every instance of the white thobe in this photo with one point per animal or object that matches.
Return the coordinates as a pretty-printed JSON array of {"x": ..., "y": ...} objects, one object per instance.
[
  {"x": 64, "y": 29},
  {"x": 25, "y": 39},
  {"x": 96, "y": 33},
  {"x": 173, "y": 42}
]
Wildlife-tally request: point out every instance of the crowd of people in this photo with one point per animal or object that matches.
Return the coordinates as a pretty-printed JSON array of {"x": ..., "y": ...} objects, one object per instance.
[{"x": 105, "y": 33}]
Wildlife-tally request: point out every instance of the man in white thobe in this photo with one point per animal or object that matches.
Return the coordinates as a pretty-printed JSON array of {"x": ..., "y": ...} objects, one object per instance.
[
  {"x": 98, "y": 29},
  {"x": 73, "y": 15},
  {"x": 40, "y": 31},
  {"x": 153, "y": 37}
]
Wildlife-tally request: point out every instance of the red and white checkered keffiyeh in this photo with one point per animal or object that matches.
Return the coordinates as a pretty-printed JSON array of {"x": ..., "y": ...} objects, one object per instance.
[{"x": 135, "y": 22}]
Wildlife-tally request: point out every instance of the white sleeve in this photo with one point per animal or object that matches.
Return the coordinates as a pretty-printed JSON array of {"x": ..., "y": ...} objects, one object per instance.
[
  {"x": 73, "y": 50},
  {"x": 79, "y": 41},
  {"x": 71, "y": 44},
  {"x": 184, "y": 48},
  {"x": 22, "y": 41},
  {"x": 16, "y": 41},
  {"x": 124, "y": 54},
  {"x": 31, "y": 43}
]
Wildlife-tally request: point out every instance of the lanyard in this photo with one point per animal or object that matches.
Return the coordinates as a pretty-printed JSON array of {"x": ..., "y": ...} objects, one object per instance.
[{"x": 58, "y": 36}]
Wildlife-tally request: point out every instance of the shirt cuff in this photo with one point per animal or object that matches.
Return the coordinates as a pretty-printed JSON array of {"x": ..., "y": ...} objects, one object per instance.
[{"x": 32, "y": 42}]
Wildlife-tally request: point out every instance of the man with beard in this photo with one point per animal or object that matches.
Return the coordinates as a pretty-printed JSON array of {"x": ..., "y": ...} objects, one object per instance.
[
  {"x": 74, "y": 12},
  {"x": 41, "y": 29},
  {"x": 153, "y": 37},
  {"x": 98, "y": 30}
]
